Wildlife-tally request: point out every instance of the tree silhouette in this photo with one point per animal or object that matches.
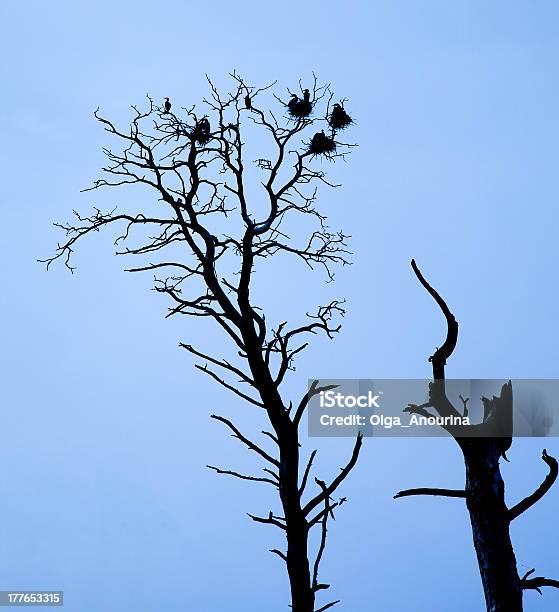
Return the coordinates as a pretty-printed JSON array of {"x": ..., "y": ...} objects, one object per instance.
[
  {"x": 196, "y": 166},
  {"x": 482, "y": 446}
]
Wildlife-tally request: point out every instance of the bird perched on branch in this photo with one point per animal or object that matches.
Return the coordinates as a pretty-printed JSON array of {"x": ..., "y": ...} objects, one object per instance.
[
  {"x": 201, "y": 132},
  {"x": 204, "y": 125},
  {"x": 300, "y": 108},
  {"x": 292, "y": 104},
  {"x": 167, "y": 105},
  {"x": 248, "y": 102},
  {"x": 339, "y": 119}
]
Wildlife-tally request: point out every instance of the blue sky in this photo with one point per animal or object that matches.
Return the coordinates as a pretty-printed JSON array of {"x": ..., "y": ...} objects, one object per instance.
[{"x": 105, "y": 421}]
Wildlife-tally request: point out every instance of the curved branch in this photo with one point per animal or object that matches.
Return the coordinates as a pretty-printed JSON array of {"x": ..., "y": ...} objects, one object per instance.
[
  {"x": 439, "y": 357},
  {"x": 537, "y": 582},
  {"x": 313, "y": 503},
  {"x": 279, "y": 553},
  {"x": 314, "y": 389},
  {"x": 529, "y": 501}
]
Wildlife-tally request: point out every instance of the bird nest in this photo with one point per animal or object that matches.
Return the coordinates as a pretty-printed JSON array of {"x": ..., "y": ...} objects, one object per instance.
[
  {"x": 299, "y": 108},
  {"x": 339, "y": 119},
  {"x": 201, "y": 138},
  {"x": 201, "y": 134},
  {"x": 321, "y": 144}
]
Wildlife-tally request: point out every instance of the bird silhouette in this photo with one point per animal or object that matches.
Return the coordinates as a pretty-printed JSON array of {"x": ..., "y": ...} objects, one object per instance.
[
  {"x": 167, "y": 105},
  {"x": 248, "y": 102},
  {"x": 201, "y": 132},
  {"x": 338, "y": 118},
  {"x": 292, "y": 104},
  {"x": 298, "y": 107},
  {"x": 204, "y": 125}
]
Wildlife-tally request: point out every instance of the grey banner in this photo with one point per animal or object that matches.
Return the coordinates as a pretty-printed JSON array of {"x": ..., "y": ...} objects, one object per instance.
[
  {"x": 31, "y": 598},
  {"x": 423, "y": 408}
]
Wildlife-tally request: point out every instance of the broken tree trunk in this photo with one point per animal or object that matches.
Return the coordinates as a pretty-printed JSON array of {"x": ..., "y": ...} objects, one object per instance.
[
  {"x": 483, "y": 445},
  {"x": 485, "y": 500}
]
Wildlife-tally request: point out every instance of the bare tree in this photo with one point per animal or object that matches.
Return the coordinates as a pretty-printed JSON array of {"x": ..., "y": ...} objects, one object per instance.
[
  {"x": 196, "y": 167},
  {"x": 482, "y": 446}
]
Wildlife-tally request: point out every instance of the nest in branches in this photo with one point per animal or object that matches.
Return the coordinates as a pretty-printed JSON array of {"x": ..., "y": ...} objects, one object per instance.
[
  {"x": 299, "y": 108},
  {"x": 201, "y": 133},
  {"x": 321, "y": 144},
  {"x": 339, "y": 119},
  {"x": 200, "y": 136}
]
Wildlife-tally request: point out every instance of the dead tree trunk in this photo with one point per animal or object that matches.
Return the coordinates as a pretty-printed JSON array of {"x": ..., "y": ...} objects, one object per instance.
[
  {"x": 483, "y": 445},
  {"x": 485, "y": 500}
]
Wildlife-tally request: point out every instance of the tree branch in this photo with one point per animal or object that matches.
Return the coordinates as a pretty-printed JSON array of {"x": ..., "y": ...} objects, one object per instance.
[
  {"x": 223, "y": 364},
  {"x": 529, "y": 501},
  {"x": 537, "y": 582},
  {"x": 307, "y": 472},
  {"x": 268, "y": 520},
  {"x": 254, "y": 447},
  {"x": 338, "y": 480},
  {"x": 236, "y": 391},
  {"x": 327, "y": 511},
  {"x": 280, "y": 554},
  {"x": 430, "y": 491},
  {"x": 242, "y": 476},
  {"x": 439, "y": 357},
  {"x": 314, "y": 389},
  {"x": 328, "y": 606}
]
